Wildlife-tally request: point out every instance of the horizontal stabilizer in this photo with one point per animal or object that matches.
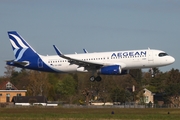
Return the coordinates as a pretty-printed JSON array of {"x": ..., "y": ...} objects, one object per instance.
[{"x": 22, "y": 63}]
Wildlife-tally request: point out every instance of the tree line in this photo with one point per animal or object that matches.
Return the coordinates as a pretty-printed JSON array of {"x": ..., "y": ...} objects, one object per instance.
[{"x": 76, "y": 87}]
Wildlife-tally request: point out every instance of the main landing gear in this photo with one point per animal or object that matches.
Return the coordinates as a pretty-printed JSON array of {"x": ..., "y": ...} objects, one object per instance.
[{"x": 93, "y": 78}]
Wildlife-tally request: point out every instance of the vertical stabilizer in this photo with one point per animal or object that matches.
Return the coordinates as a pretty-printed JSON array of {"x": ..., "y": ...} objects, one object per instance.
[{"x": 22, "y": 50}]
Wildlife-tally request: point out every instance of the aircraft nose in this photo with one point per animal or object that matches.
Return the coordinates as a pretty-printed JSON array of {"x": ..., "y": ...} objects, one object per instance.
[{"x": 171, "y": 60}]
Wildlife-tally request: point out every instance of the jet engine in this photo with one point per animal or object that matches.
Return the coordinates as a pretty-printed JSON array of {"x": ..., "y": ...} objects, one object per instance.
[{"x": 112, "y": 70}]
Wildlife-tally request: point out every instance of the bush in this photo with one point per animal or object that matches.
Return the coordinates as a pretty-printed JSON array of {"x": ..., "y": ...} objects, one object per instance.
[{"x": 3, "y": 105}]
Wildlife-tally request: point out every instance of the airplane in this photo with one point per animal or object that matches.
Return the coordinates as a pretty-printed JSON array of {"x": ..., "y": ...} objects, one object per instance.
[{"x": 106, "y": 63}]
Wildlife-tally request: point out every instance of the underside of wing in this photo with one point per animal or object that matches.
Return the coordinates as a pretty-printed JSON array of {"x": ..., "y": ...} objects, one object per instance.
[{"x": 86, "y": 64}]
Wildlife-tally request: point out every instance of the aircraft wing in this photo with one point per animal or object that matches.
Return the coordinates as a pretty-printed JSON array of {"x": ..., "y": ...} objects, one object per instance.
[{"x": 87, "y": 64}]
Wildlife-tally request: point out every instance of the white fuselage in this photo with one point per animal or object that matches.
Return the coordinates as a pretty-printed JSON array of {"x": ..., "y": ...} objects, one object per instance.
[{"x": 147, "y": 58}]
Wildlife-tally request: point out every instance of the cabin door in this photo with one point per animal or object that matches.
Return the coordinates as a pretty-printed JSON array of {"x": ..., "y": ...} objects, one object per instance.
[{"x": 150, "y": 57}]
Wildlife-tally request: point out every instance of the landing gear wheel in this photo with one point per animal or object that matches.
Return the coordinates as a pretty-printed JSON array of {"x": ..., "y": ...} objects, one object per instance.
[
  {"x": 92, "y": 78},
  {"x": 98, "y": 78}
]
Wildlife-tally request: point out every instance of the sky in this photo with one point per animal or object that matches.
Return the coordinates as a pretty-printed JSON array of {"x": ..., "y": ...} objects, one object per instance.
[{"x": 97, "y": 25}]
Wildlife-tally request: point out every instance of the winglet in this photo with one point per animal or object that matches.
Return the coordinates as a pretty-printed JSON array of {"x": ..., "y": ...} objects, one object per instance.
[
  {"x": 85, "y": 51},
  {"x": 57, "y": 51}
]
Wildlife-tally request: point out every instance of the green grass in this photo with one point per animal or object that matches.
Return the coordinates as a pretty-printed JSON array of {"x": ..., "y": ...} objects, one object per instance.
[{"x": 36, "y": 113}]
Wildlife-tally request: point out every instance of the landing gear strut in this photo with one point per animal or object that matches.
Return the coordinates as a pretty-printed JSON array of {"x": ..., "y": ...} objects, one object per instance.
[
  {"x": 93, "y": 78},
  {"x": 152, "y": 72}
]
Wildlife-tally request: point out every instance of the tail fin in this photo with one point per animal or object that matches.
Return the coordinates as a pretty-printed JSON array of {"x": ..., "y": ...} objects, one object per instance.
[{"x": 22, "y": 50}]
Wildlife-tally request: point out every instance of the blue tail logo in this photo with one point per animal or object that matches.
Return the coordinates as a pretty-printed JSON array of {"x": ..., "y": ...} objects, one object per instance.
[
  {"x": 22, "y": 50},
  {"x": 25, "y": 55}
]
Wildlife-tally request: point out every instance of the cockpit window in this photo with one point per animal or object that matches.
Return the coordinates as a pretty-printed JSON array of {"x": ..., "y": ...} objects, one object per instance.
[{"x": 162, "y": 54}]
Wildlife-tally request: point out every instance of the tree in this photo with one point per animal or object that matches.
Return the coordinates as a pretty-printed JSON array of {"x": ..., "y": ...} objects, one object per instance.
[
  {"x": 136, "y": 74},
  {"x": 173, "y": 93},
  {"x": 88, "y": 94},
  {"x": 173, "y": 76},
  {"x": 67, "y": 88},
  {"x": 52, "y": 94},
  {"x": 53, "y": 79},
  {"x": 9, "y": 71},
  {"x": 121, "y": 95},
  {"x": 38, "y": 83},
  {"x": 19, "y": 79},
  {"x": 157, "y": 84}
]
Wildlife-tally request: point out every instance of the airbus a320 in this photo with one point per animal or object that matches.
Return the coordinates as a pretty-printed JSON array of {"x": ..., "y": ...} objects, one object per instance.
[{"x": 106, "y": 63}]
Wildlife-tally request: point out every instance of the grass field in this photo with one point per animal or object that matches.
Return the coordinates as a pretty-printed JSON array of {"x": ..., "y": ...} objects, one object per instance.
[{"x": 36, "y": 113}]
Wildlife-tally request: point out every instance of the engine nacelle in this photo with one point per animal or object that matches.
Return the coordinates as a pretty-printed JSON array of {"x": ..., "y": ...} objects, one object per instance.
[{"x": 112, "y": 70}]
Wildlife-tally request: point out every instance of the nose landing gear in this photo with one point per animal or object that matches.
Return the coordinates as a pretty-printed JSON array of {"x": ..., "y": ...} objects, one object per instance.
[{"x": 152, "y": 72}]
